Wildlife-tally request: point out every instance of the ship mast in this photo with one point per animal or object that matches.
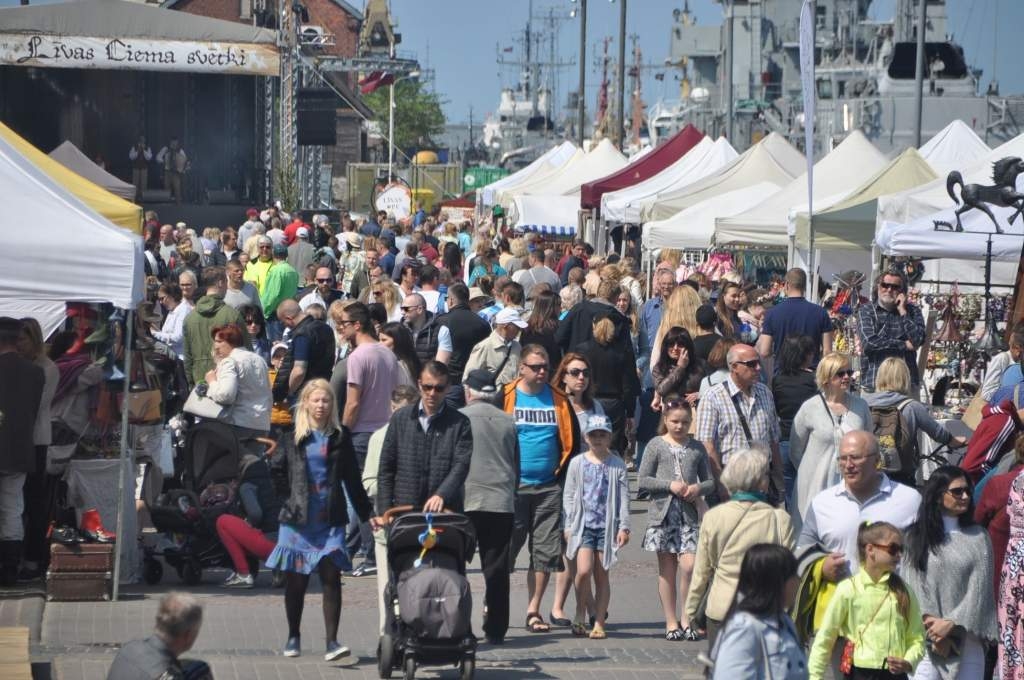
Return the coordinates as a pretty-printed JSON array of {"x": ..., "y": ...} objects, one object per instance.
[{"x": 637, "y": 115}]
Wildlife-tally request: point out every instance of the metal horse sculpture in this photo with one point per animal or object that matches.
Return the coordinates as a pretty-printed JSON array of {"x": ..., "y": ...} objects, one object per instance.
[{"x": 979, "y": 196}]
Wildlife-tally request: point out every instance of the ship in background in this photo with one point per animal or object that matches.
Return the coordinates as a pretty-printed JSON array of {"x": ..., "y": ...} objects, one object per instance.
[{"x": 864, "y": 76}]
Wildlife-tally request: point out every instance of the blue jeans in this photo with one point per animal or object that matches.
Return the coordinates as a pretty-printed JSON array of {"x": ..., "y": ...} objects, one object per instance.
[{"x": 358, "y": 535}]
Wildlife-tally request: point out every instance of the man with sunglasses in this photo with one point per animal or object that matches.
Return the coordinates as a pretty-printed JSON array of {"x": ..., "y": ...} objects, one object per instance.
[
  {"x": 322, "y": 292},
  {"x": 890, "y": 327},
  {"x": 425, "y": 458},
  {"x": 740, "y": 414},
  {"x": 549, "y": 436},
  {"x": 865, "y": 494}
]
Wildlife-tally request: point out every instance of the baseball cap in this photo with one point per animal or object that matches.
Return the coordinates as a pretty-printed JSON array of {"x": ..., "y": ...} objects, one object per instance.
[
  {"x": 480, "y": 380},
  {"x": 706, "y": 316},
  {"x": 280, "y": 250},
  {"x": 252, "y": 212},
  {"x": 302, "y": 232},
  {"x": 277, "y": 346},
  {"x": 509, "y": 315},
  {"x": 598, "y": 423}
]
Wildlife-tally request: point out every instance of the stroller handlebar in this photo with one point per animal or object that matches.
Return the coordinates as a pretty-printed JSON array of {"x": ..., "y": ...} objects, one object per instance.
[
  {"x": 269, "y": 443},
  {"x": 390, "y": 515}
]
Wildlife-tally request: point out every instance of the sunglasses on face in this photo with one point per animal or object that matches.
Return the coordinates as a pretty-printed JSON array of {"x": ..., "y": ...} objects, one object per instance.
[
  {"x": 411, "y": 307},
  {"x": 844, "y": 374},
  {"x": 959, "y": 492},
  {"x": 427, "y": 387},
  {"x": 750, "y": 363},
  {"x": 577, "y": 372},
  {"x": 537, "y": 368},
  {"x": 323, "y": 280},
  {"x": 677, "y": 343},
  {"x": 891, "y": 286},
  {"x": 894, "y": 549}
]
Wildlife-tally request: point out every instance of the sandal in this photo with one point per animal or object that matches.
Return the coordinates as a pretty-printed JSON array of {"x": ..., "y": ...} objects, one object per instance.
[
  {"x": 598, "y": 633},
  {"x": 690, "y": 635},
  {"x": 535, "y": 624},
  {"x": 559, "y": 621},
  {"x": 579, "y": 629},
  {"x": 675, "y": 635}
]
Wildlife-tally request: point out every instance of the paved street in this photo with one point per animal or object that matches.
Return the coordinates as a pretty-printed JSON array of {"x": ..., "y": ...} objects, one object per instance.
[{"x": 243, "y": 631}]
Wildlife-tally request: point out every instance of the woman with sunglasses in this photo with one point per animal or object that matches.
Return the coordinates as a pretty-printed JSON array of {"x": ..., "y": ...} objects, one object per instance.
[
  {"x": 819, "y": 426},
  {"x": 573, "y": 376},
  {"x": 892, "y": 395},
  {"x": 256, "y": 325},
  {"x": 677, "y": 370},
  {"x": 949, "y": 567}
]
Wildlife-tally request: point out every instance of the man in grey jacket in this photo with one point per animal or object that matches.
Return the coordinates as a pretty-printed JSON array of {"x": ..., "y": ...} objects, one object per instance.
[{"x": 490, "y": 494}]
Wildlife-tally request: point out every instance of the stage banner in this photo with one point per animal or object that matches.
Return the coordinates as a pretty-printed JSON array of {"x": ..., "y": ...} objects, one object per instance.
[{"x": 43, "y": 50}]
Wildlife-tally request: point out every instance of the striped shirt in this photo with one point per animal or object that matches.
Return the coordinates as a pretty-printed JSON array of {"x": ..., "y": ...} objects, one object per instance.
[{"x": 719, "y": 422}]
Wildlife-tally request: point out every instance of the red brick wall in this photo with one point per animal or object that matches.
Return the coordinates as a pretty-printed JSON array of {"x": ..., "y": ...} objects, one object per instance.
[{"x": 333, "y": 18}]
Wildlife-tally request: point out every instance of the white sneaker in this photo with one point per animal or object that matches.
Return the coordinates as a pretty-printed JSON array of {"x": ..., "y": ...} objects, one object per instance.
[
  {"x": 239, "y": 581},
  {"x": 336, "y": 651}
]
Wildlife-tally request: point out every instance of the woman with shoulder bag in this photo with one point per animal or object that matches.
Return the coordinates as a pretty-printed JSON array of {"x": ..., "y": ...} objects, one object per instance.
[{"x": 727, "y": 531}]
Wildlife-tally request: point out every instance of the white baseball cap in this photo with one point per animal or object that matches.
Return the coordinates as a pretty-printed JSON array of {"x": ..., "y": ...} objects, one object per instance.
[{"x": 509, "y": 315}]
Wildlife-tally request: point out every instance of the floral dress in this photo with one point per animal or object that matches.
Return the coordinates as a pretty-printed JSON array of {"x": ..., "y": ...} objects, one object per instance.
[
  {"x": 300, "y": 548},
  {"x": 675, "y": 534},
  {"x": 1010, "y": 609}
]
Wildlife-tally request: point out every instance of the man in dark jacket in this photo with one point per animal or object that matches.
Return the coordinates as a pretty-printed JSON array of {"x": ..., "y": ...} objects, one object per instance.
[
  {"x": 426, "y": 453},
  {"x": 21, "y": 388},
  {"x": 178, "y": 621},
  {"x": 466, "y": 329},
  {"x": 310, "y": 352}
]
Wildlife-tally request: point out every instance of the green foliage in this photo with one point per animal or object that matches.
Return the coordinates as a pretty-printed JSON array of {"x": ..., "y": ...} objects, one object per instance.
[
  {"x": 418, "y": 113},
  {"x": 286, "y": 186}
]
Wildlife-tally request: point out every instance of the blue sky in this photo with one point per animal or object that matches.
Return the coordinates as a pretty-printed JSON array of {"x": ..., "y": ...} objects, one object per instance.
[{"x": 458, "y": 40}]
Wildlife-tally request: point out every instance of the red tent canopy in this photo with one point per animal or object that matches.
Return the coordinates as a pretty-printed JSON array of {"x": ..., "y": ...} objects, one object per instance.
[{"x": 643, "y": 168}]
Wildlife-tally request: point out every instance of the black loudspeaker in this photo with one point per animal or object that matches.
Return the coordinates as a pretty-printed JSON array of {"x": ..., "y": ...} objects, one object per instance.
[{"x": 315, "y": 117}]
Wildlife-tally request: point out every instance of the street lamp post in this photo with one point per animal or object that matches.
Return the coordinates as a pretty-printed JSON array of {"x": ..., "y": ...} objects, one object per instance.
[
  {"x": 621, "y": 122},
  {"x": 582, "y": 100},
  {"x": 391, "y": 117}
]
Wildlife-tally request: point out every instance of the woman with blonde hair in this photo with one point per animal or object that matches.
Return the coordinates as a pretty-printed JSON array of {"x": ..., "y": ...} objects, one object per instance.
[
  {"x": 892, "y": 393},
  {"x": 322, "y": 469},
  {"x": 680, "y": 310},
  {"x": 385, "y": 293},
  {"x": 518, "y": 252},
  {"x": 819, "y": 426}
]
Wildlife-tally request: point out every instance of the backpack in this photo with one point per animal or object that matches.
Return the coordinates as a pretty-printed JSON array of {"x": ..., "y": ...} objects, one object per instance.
[{"x": 897, "y": 445}]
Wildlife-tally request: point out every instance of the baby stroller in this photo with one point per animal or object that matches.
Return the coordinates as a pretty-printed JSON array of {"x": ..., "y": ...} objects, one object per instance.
[
  {"x": 428, "y": 605},
  {"x": 211, "y": 463}
]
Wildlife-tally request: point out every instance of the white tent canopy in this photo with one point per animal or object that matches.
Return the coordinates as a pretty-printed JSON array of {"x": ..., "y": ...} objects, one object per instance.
[
  {"x": 920, "y": 239},
  {"x": 773, "y": 159},
  {"x": 550, "y": 169},
  {"x": 554, "y": 215},
  {"x": 75, "y": 255},
  {"x": 846, "y": 167},
  {"x": 702, "y": 160},
  {"x": 72, "y": 158},
  {"x": 602, "y": 160},
  {"x": 927, "y": 199},
  {"x": 694, "y": 227},
  {"x": 553, "y": 157},
  {"x": 953, "y": 147}
]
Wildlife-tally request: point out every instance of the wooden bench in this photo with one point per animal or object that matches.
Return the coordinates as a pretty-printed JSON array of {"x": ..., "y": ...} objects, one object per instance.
[{"x": 14, "y": 660}]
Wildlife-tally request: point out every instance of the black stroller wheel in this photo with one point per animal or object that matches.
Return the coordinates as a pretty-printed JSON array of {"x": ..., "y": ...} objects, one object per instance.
[
  {"x": 152, "y": 571},
  {"x": 410, "y": 668},
  {"x": 467, "y": 667},
  {"x": 385, "y": 656}
]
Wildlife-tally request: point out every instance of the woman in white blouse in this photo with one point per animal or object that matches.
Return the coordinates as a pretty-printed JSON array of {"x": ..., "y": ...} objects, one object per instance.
[{"x": 173, "y": 331}]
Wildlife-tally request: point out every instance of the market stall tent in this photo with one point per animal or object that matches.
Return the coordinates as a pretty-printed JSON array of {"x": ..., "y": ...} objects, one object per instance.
[
  {"x": 548, "y": 170},
  {"x": 850, "y": 222},
  {"x": 694, "y": 227},
  {"x": 849, "y": 164},
  {"x": 555, "y": 157},
  {"x": 642, "y": 168},
  {"x": 115, "y": 209},
  {"x": 702, "y": 160},
  {"x": 773, "y": 159},
  {"x": 919, "y": 238},
  {"x": 602, "y": 160},
  {"x": 550, "y": 215},
  {"x": 906, "y": 206},
  {"x": 72, "y": 158},
  {"x": 952, "y": 147}
]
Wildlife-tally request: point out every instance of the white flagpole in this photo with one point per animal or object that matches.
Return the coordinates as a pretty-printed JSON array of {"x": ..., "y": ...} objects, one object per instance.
[{"x": 807, "y": 21}]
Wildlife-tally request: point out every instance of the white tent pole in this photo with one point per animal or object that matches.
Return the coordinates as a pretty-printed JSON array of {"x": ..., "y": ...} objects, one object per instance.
[{"x": 124, "y": 454}]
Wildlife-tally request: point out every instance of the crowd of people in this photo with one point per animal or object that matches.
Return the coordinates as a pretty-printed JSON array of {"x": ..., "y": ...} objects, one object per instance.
[{"x": 521, "y": 382}]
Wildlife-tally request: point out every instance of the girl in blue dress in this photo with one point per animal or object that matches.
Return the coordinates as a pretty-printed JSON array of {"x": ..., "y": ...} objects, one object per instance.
[{"x": 312, "y": 532}]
